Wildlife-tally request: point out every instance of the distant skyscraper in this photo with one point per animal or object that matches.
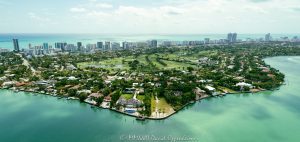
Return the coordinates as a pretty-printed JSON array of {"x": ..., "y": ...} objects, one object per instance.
[
  {"x": 79, "y": 45},
  {"x": 16, "y": 45},
  {"x": 232, "y": 37},
  {"x": 125, "y": 45},
  {"x": 268, "y": 37},
  {"x": 229, "y": 37},
  {"x": 206, "y": 41},
  {"x": 295, "y": 39},
  {"x": 115, "y": 46},
  {"x": 61, "y": 45},
  {"x": 153, "y": 43},
  {"x": 100, "y": 45},
  {"x": 46, "y": 47},
  {"x": 107, "y": 45}
]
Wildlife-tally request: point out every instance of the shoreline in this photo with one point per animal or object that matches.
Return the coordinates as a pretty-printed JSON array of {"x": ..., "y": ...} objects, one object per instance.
[{"x": 145, "y": 117}]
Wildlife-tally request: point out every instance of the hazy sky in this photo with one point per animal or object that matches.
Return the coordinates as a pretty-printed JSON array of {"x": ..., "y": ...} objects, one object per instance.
[{"x": 149, "y": 16}]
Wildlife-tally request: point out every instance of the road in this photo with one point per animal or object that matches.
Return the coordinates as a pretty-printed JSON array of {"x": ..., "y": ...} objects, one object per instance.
[{"x": 26, "y": 63}]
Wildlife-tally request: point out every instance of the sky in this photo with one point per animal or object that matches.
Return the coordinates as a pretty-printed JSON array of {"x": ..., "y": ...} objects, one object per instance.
[{"x": 149, "y": 16}]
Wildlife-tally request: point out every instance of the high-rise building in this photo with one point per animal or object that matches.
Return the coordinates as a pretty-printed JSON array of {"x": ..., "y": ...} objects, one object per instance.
[
  {"x": 206, "y": 41},
  {"x": 295, "y": 39},
  {"x": 107, "y": 45},
  {"x": 16, "y": 45},
  {"x": 268, "y": 37},
  {"x": 115, "y": 46},
  {"x": 167, "y": 43},
  {"x": 61, "y": 45},
  {"x": 232, "y": 37},
  {"x": 79, "y": 45},
  {"x": 100, "y": 45},
  {"x": 46, "y": 47},
  {"x": 153, "y": 43},
  {"x": 229, "y": 37},
  {"x": 38, "y": 50},
  {"x": 91, "y": 47},
  {"x": 125, "y": 45}
]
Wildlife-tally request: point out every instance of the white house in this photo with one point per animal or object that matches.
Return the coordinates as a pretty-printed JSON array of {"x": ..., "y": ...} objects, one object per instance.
[{"x": 243, "y": 84}]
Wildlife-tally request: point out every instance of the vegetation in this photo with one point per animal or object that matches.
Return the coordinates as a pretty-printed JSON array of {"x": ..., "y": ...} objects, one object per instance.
[{"x": 171, "y": 74}]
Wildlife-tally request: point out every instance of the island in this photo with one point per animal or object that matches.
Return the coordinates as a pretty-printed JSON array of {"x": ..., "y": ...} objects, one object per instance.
[{"x": 147, "y": 83}]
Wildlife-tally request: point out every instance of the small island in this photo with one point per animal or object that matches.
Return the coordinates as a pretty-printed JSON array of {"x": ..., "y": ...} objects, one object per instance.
[{"x": 147, "y": 83}]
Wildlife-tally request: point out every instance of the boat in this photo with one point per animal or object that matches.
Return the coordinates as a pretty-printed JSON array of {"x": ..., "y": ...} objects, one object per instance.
[
  {"x": 141, "y": 118},
  {"x": 72, "y": 98}
]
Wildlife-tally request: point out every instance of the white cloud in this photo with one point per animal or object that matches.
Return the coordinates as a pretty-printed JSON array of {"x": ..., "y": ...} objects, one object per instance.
[
  {"x": 77, "y": 9},
  {"x": 170, "y": 10},
  {"x": 192, "y": 16},
  {"x": 104, "y": 5},
  {"x": 36, "y": 17},
  {"x": 97, "y": 14}
]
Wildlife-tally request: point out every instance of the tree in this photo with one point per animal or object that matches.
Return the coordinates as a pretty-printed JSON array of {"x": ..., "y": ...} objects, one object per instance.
[
  {"x": 72, "y": 92},
  {"x": 106, "y": 91},
  {"x": 99, "y": 100},
  {"x": 190, "y": 69},
  {"x": 34, "y": 78},
  {"x": 115, "y": 97},
  {"x": 82, "y": 96},
  {"x": 147, "y": 104}
]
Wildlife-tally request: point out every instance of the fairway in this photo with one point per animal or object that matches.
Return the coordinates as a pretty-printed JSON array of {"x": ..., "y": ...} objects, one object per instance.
[
  {"x": 161, "y": 61},
  {"x": 109, "y": 64}
]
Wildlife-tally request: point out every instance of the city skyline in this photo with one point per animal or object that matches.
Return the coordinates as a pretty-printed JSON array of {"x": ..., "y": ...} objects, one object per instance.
[{"x": 147, "y": 17}]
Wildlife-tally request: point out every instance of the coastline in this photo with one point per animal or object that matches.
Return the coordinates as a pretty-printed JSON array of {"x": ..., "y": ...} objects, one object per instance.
[{"x": 145, "y": 117}]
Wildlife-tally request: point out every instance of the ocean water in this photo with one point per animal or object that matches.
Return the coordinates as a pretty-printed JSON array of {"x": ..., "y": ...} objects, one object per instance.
[
  {"x": 271, "y": 116},
  {"x": 39, "y": 39}
]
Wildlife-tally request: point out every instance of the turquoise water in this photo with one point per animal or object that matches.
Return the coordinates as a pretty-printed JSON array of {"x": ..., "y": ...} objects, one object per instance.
[
  {"x": 263, "y": 117},
  {"x": 39, "y": 39}
]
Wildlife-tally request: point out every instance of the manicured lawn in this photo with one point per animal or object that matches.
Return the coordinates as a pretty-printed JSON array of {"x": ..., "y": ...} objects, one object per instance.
[
  {"x": 226, "y": 89},
  {"x": 122, "y": 62},
  {"x": 127, "y": 96},
  {"x": 142, "y": 59},
  {"x": 141, "y": 97},
  {"x": 110, "y": 64},
  {"x": 162, "y": 105}
]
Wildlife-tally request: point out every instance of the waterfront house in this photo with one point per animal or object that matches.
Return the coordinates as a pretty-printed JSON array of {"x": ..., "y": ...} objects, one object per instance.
[
  {"x": 131, "y": 103},
  {"x": 211, "y": 89},
  {"x": 129, "y": 90},
  {"x": 95, "y": 95},
  {"x": 199, "y": 92},
  {"x": 3, "y": 78},
  {"x": 84, "y": 91},
  {"x": 107, "y": 99},
  {"x": 19, "y": 84},
  {"x": 92, "y": 98},
  {"x": 42, "y": 82},
  {"x": 243, "y": 84},
  {"x": 122, "y": 101},
  {"x": 8, "y": 84}
]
